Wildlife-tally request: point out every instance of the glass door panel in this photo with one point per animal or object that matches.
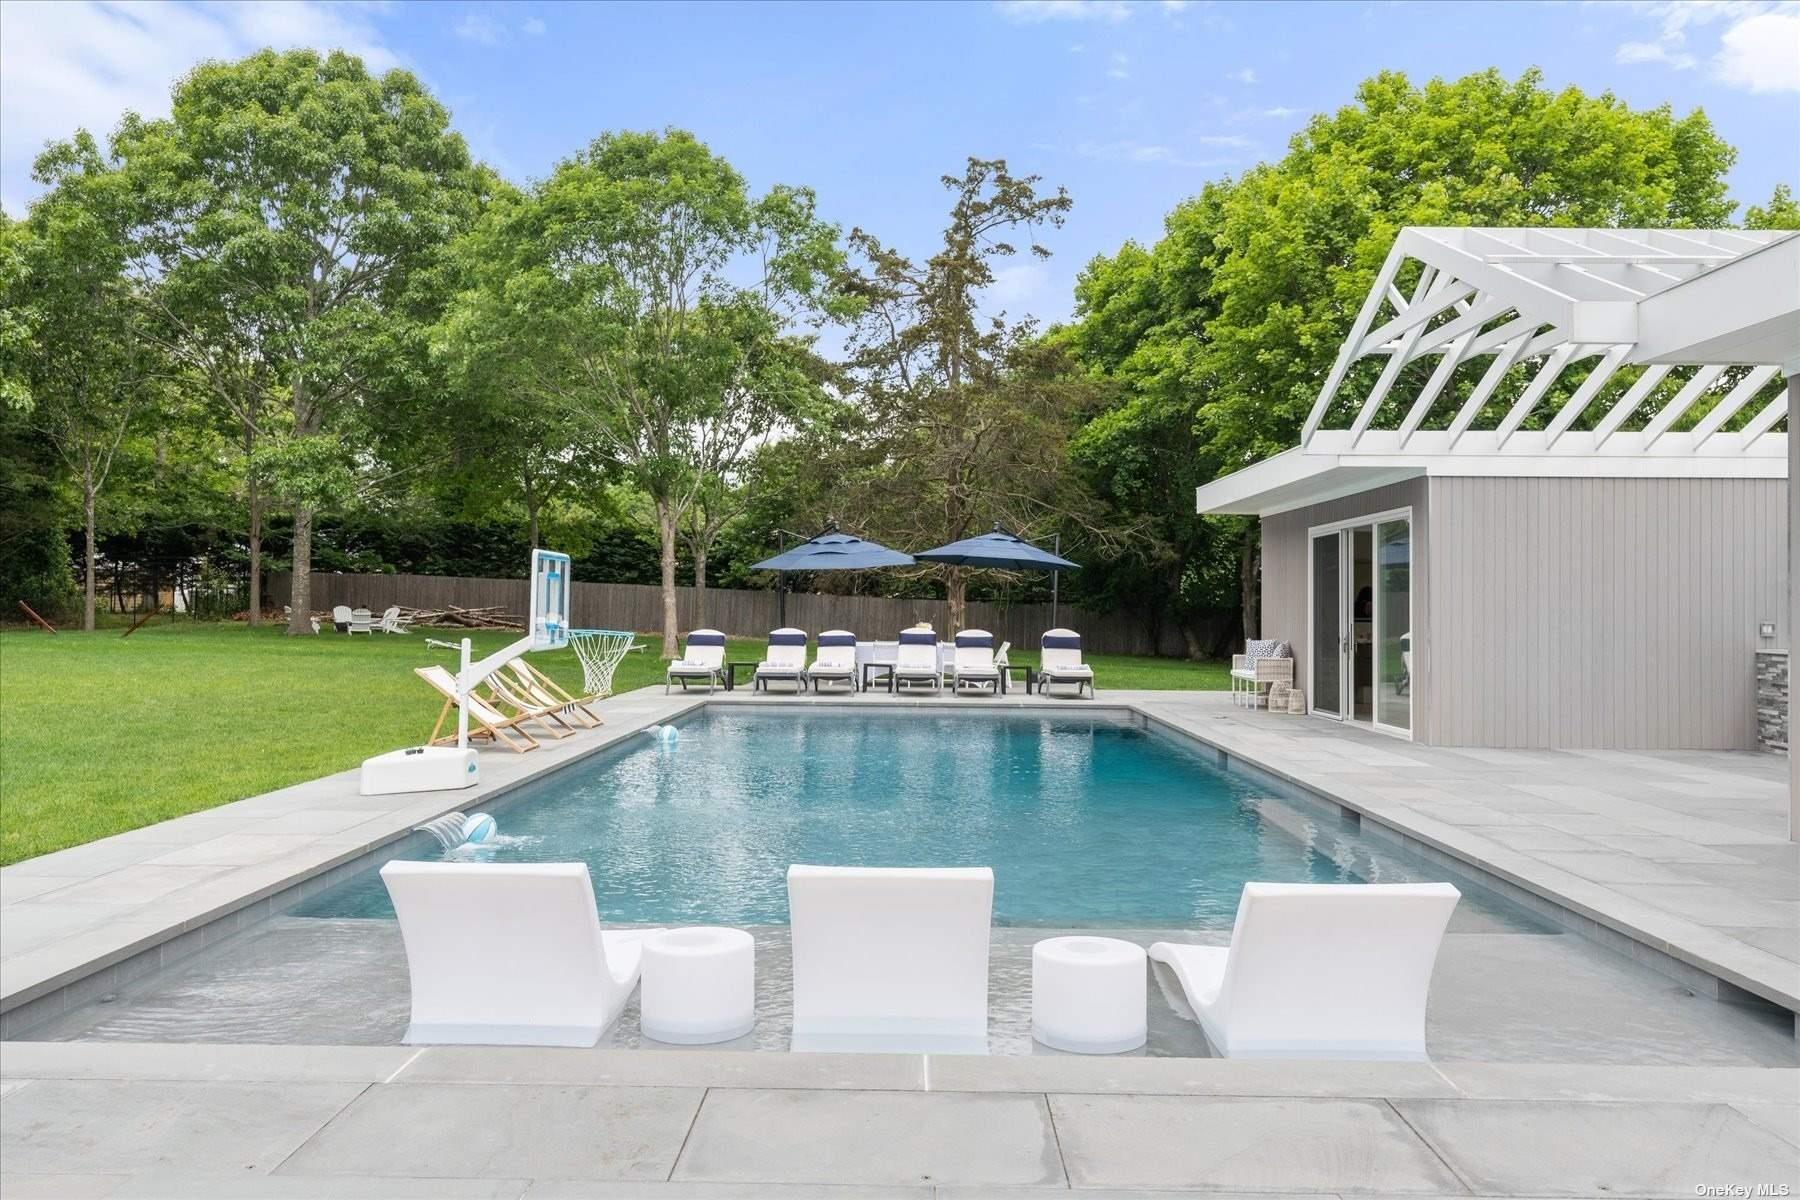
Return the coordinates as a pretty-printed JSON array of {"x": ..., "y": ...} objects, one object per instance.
[
  {"x": 1327, "y": 624},
  {"x": 1393, "y": 619}
]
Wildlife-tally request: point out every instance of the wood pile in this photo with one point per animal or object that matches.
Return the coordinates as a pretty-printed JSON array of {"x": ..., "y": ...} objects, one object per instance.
[{"x": 453, "y": 617}]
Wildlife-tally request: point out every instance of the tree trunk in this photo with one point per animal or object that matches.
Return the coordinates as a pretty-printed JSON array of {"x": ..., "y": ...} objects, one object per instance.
[
  {"x": 956, "y": 590},
  {"x": 256, "y": 516},
  {"x": 87, "y": 512},
  {"x": 1250, "y": 582},
  {"x": 300, "y": 602},
  {"x": 699, "y": 548},
  {"x": 665, "y": 521}
]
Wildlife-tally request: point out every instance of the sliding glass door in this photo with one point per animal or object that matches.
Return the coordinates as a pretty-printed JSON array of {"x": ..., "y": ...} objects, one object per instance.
[{"x": 1360, "y": 645}]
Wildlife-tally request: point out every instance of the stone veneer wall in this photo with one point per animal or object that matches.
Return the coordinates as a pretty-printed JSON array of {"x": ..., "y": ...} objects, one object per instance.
[{"x": 1772, "y": 699}]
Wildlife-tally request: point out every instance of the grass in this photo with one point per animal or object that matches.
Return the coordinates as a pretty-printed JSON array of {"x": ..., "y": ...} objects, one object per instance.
[{"x": 100, "y": 734}]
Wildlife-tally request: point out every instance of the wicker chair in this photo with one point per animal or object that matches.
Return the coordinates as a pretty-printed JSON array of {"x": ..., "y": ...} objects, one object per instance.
[{"x": 1252, "y": 673}]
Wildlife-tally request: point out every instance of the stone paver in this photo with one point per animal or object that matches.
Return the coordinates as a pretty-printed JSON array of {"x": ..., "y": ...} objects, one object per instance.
[
  {"x": 91, "y": 1126},
  {"x": 758, "y": 1136},
  {"x": 1287, "y": 1144},
  {"x": 427, "y": 1130},
  {"x": 1513, "y": 1147}
]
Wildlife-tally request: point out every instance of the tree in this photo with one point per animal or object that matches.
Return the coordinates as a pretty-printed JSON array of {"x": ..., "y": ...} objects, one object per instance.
[
  {"x": 1237, "y": 318},
  {"x": 1781, "y": 212},
  {"x": 966, "y": 416},
  {"x": 293, "y": 193},
  {"x": 645, "y": 283},
  {"x": 85, "y": 366}
]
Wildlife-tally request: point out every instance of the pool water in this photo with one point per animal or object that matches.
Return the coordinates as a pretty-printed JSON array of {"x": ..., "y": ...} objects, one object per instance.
[{"x": 1086, "y": 820}]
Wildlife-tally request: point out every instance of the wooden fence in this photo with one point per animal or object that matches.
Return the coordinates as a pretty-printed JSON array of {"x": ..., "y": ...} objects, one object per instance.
[{"x": 747, "y": 613}]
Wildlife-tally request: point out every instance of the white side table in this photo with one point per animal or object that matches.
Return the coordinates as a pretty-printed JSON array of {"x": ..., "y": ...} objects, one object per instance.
[
  {"x": 699, "y": 985},
  {"x": 1089, "y": 995}
]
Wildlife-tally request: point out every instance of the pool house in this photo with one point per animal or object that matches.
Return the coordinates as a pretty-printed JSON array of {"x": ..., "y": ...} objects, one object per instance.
[{"x": 1541, "y": 500}]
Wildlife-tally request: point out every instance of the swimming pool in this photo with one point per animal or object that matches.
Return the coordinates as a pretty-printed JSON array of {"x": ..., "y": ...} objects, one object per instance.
[{"x": 1086, "y": 819}]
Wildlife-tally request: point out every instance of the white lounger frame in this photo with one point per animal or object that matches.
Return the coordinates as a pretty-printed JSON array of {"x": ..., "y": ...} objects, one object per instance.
[
  {"x": 702, "y": 658},
  {"x": 509, "y": 954},
  {"x": 1319, "y": 971},
  {"x": 835, "y": 661},
  {"x": 891, "y": 958}
]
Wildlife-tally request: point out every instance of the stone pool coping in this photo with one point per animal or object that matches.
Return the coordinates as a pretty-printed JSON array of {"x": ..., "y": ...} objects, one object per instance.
[{"x": 82, "y": 921}]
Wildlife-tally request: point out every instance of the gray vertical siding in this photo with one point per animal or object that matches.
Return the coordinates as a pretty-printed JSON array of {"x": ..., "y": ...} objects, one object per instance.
[
  {"x": 1601, "y": 612},
  {"x": 1285, "y": 547}
]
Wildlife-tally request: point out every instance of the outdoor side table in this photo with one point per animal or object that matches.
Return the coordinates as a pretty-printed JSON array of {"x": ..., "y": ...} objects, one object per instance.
[
  {"x": 1089, "y": 995},
  {"x": 699, "y": 985},
  {"x": 867, "y": 667},
  {"x": 731, "y": 670}
]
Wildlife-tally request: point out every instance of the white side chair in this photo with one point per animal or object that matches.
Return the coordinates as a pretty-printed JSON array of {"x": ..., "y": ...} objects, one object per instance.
[
  {"x": 703, "y": 658},
  {"x": 341, "y": 617},
  {"x": 891, "y": 958},
  {"x": 362, "y": 621},
  {"x": 784, "y": 660},
  {"x": 1319, "y": 970},
  {"x": 509, "y": 954}
]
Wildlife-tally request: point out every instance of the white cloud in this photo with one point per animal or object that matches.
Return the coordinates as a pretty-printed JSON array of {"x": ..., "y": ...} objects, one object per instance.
[
  {"x": 1761, "y": 54},
  {"x": 534, "y": 26},
  {"x": 1279, "y": 112},
  {"x": 1759, "y": 42},
  {"x": 1157, "y": 154},
  {"x": 1036, "y": 12},
  {"x": 1243, "y": 75},
  {"x": 1016, "y": 284},
  {"x": 1119, "y": 65},
  {"x": 82, "y": 63},
  {"x": 1653, "y": 52},
  {"x": 478, "y": 28}
]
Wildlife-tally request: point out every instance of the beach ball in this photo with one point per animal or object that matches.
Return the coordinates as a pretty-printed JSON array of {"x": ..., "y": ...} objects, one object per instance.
[{"x": 479, "y": 827}]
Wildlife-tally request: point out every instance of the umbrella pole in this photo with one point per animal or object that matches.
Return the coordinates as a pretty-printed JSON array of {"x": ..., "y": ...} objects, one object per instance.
[
  {"x": 781, "y": 599},
  {"x": 1055, "y": 578}
]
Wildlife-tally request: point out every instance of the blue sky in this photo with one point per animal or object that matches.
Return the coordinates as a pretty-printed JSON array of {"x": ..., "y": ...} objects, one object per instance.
[{"x": 1131, "y": 106}]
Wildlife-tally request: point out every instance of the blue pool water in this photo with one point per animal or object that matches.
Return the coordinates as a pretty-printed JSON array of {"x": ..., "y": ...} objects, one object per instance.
[{"x": 1086, "y": 820}]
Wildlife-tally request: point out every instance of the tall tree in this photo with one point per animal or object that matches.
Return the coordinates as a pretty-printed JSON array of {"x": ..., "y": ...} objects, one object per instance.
[
  {"x": 86, "y": 365},
  {"x": 294, "y": 192},
  {"x": 1229, "y": 324},
  {"x": 965, "y": 424},
  {"x": 644, "y": 283}
]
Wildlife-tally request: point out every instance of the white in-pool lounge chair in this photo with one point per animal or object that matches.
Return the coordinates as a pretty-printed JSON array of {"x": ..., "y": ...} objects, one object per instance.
[
  {"x": 1319, "y": 971},
  {"x": 486, "y": 720},
  {"x": 702, "y": 658},
  {"x": 785, "y": 660},
  {"x": 975, "y": 667},
  {"x": 890, "y": 958},
  {"x": 509, "y": 954},
  {"x": 916, "y": 661},
  {"x": 835, "y": 661},
  {"x": 1059, "y": 660}
]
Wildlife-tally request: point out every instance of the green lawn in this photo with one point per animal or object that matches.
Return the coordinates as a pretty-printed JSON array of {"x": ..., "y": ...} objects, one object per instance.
[{"x": 100, "y": 734}]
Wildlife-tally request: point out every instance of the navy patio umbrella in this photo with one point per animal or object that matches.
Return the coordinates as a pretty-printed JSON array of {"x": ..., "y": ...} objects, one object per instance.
[
  {"x": 998, "y": 550},
  {"x": 832, "y": 550}
]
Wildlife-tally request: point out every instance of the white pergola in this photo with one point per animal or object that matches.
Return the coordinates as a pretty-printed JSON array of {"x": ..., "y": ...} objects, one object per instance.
[{"x": 1649, "y": 321}]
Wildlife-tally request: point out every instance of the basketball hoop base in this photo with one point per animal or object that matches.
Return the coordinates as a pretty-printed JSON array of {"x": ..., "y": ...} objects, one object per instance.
[{"x": 420, "y": 769}]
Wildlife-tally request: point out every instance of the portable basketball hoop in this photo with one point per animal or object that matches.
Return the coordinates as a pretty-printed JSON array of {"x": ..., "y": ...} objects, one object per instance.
[{"x": 600, "y": 651}]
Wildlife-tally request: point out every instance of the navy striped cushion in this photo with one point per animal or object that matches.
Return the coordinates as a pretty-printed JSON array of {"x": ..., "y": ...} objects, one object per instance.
[
  {"x": 787, "y": 637},
  {"x": 706, "y": 639},
  {"x": 837, "y": 639},
  {"x": 975, "y": 639},
  {"x": 918, "y": 637},
  {"x": 1070, "y": 641}
]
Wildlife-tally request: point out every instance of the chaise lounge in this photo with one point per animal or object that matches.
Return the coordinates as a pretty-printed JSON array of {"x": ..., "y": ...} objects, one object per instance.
[
  {"x": 703, "y": 658},
  {"x": 509, "y": 954},
  {"x": 1319, "y": 971}
]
